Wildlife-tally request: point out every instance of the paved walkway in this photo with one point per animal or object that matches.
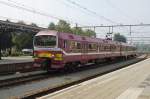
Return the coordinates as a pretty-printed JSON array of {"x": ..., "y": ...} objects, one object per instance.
[{"x": 132, "y": 82}]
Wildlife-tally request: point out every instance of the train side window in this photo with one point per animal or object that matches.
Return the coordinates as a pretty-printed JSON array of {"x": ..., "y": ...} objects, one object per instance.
[
  {"x": 72, "y": 44},
  {"x": 127, "y": 48},
  {"x": 90, "y": 46},
  {"x": 118, "y": 48},
  {"x": 65, "y": 43},
  {"x": 122, "y": 48},
  {"x": 78, "y": 45},
  {"x": 99, "y": 47},
  {"x": 102, "y": 47},
  {"x": 112, "y": 47},
  {"x": 75, "y": 46},
  {"x": 107, "y": 47},
  {"x": 95, "y": 46}
]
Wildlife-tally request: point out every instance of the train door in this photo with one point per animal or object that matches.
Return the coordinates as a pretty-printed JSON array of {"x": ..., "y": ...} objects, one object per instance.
[
  {"x": 120, "y": 49},
  {"x": 85, "y": 48},
  {"x": 84, "y": 52}
]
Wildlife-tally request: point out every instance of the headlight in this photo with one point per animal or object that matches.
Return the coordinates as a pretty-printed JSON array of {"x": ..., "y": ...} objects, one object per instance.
[
  {"x": 58, "y": 57},
  {"x": 47, "y": 55}
]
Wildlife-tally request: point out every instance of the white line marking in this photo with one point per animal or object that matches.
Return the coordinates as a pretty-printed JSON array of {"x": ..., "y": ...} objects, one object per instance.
[
  {"x": 132, "y": 93},
  {"x": 63, "y": 91}
]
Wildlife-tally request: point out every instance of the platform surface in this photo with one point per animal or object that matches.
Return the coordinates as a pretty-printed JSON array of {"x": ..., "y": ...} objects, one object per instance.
[
  {"x": 20, "y": 59},
  {"x": 132, "y": 82}
]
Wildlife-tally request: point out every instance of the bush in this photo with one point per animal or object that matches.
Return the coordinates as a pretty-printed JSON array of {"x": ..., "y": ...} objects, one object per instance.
[
  {"x": 16, "y": 54},
  {"x": 4, "y": 53}
]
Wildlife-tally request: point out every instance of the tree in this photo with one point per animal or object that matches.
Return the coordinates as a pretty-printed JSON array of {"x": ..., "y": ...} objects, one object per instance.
[
  {"x": 119, "y": 38},
  {"x": 63, "y": 26},
  {"x": 34, "y": 25},
  {"x": 52, "y": 26},
  {"x": 7, "y": 20},
  {"x": 89, "y": 33},
  {"x": 77, "y": 31},
  {"x": 21, "y": 22},
  {"x": 22, "y": 40}
]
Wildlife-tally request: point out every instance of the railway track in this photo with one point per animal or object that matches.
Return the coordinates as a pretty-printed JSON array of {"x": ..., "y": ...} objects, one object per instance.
[
  {"x": 21, "y": 80},
  {"x": 13, "y": 81},
  {"x": 11, "y": 68},
  {"x": 8, "y": 83}
]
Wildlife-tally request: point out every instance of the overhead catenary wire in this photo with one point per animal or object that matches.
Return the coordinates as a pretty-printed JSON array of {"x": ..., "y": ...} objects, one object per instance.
[
  {"x": 123, "y": 13},
  {"x": 120, "y": 10},
  {"x": 32, "y": 10},
  {"x": 67, "y": 4},
  {"x": 73, "y": 6},
  {"x": 95, "y": 13},
  {"x": 92, "y": 12}
]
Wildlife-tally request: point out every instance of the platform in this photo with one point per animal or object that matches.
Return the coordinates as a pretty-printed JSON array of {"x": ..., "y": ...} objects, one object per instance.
[
  {"x": 12, "y": 60},
  {"x": 132, "y": 82}
]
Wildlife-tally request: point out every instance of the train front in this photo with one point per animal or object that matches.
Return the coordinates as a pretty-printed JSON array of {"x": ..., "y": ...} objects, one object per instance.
[{"x": 46, "y": 52}]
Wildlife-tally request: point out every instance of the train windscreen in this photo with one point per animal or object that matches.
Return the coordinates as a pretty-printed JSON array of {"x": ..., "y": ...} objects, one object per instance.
[{"x": 45, "y": 41}]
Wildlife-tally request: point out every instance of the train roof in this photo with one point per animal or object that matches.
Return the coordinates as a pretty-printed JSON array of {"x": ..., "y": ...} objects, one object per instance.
[
  {"x": 69, "y": 36},
  {"x": 79, "y": 38},
  {"x": 74, "y": 37},
  {"x": 46, "y": 32}
]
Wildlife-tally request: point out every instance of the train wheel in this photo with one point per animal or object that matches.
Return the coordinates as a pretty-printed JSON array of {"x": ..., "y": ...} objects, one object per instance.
[
  {"x": 97, "y": 61},
  {"x": 70, "y": 67}
]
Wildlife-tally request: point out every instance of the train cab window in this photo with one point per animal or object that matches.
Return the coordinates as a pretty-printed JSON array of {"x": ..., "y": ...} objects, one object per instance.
[{"x": 45, "y": 41}]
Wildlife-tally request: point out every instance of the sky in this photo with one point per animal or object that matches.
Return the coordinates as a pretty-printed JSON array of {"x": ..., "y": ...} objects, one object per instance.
[{"x": 105, "y": 11}]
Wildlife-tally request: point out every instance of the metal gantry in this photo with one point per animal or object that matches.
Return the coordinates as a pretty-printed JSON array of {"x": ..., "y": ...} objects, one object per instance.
[{"x": 111, "y": 27}]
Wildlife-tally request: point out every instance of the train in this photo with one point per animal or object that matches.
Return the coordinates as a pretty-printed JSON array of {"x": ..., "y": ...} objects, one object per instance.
[{"x": 55, "y": 50}]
